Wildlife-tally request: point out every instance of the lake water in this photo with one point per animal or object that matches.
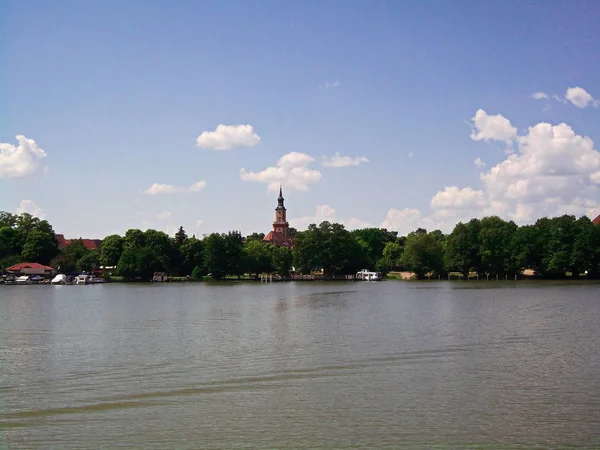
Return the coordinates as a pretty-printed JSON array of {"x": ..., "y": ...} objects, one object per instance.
[{"x": 293, "y": 365}]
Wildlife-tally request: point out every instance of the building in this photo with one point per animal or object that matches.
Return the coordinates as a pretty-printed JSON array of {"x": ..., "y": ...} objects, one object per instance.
[
  {"x": 279, "y": 235},
  {"x": 90, "y": 244},
  {"x": 596, "y": 221},
  {"x": 30, "y": 269}
]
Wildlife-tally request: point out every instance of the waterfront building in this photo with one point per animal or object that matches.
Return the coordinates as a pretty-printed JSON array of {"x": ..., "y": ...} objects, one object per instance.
[{"x": 279, "y": 234}]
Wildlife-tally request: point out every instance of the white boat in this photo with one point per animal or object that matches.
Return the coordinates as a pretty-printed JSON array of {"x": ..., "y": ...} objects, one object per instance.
[
  {"x": 96, "y": 280},
  {"x": 24, "y": 279},
  {"x": 82, "y": 279},
  {"x": 365, "y": 275},
  {"x": 59, "y": 279}
]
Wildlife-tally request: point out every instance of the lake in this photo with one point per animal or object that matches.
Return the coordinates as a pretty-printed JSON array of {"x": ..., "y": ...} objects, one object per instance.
[{"x": 301, "y": 365}]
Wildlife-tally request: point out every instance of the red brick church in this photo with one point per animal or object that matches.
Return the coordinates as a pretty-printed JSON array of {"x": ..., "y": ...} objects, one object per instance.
[{"x": 279, "y": 235}]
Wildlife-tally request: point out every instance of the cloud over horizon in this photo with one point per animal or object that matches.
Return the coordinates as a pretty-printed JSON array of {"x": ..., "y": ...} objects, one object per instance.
[
  {"x": 158, "y": 188},
  {"x": 30, "y": 207},
  {"x": 338, "y": 160},
  {"x": 23, "y": 160},
  {"x": 227, "y": 137},
  {"x": 291, "y": 169},
  {"x": 553, "y": 171}
]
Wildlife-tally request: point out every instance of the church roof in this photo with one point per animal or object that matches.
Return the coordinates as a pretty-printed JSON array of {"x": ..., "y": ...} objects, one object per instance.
[
  {"x": 277, "y": 238},
  {"x": 596, "y": 221}
]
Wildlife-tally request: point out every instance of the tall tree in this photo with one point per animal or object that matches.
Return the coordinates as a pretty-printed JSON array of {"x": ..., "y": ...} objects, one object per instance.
[
  {"x": 215, "y": 256},
  {"x": 39, "y": 247},
  {"x": 258, "y": 257},
  {"x": 192, "y": 255},
  {"x": 495, "y": 238},
  {"x": 281, "y": 258},
  {"x": 423, "y": 254},
  {"x": 112, "y": 247},
  {"x": 180, "y": 236}
]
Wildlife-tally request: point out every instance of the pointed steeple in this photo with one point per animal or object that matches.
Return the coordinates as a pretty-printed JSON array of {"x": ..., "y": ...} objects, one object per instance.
[{"x": 280, "y": 194}]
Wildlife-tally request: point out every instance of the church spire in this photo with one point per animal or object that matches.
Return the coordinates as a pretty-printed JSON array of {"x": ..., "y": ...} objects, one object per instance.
[{"x": 280, "y": 194}]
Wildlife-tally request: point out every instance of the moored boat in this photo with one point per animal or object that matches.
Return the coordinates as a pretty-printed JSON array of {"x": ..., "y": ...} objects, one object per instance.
[
  {"x": 366, "y": 275},
  {"x": 83, "y": 279},
  {"x": 24, "y": 279},
  {"x": 59, "y": 279}
]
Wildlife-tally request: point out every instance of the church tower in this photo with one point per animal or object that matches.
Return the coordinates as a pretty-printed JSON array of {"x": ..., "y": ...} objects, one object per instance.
[{"x": 280, "y": 225}]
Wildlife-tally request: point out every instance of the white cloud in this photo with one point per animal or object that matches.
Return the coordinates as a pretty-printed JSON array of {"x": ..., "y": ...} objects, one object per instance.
[
  {"x": 338, "y": 160},
  {"x": 157, "y": 188},
  {"x": 226, "y": 137},
  {"x": 407, "y": 220},
  {"x": 488, "y": 127},
  {"x": 164, "y": 215},
  {"x": 355, "y": 224},
  {"x": 553, "y": 171},
  {"x": 330, "y": 85},
  {"x": 24, "y": 160},
  {"x": 580, "y": 97},
  {"x": 29, "y": 206},
  {"x": 199, "y": 223},
  {"x": 171, "y": 229},
  {"x": 410, "y": 155},
  {"x": 453, "y": 197},
  {"x": 291, "y": 169},
  {"x": 479, "y": 162},
  {"x": 327, "y": 213},
  {"x": 197, "y": 186},
  {"x": 539, "y": 96},
  {"x": 322, "y": 213}
]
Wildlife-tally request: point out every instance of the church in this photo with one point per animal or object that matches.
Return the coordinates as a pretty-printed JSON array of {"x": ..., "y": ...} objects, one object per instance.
[{"x": 279, "y": 235}]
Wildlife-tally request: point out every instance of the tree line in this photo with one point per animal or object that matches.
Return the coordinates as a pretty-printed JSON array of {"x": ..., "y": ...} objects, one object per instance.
[{"x": 552, "y": 247}]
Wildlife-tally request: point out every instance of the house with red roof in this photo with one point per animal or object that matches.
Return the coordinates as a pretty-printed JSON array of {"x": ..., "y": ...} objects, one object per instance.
[
  {"x": 279, "y": 235},
  {"x": 28, "y": 268},
  {"x": 90, "y": 244},
  {"x": 596, "y": 221}
]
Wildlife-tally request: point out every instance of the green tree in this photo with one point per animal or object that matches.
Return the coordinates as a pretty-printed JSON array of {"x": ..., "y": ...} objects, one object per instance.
[
  {"x": 192, "y": 255},
  {"x": 461, "y": 252},
  {"x": 281, "y": 258},
  {"x": 180, "y": 236},
  {"x": 7, "y": 219},
  {"x": 255, "y": 237},
  {"x": 89, "y": 262},
  {"x": 139, "y": 263},
  {"x": 373, "y": 242},
  {"x": 64, "y": 262},
  {"x": 330, "y": 247},
  {"x": 112, "y": 247},
  {"x": 234, "y": 253},
  {"x": 423, "y": 253},
  {"x": 134, "y": 238},
  {"x": 392, "y": 254},
  {"x": 215, "y": 257},
  {"x": 495, "y": 239},
  {"x": 9, "y": 242},
  {"x": 164, "y": 249},
  {"x": 258, "y": 258},
  {"x": 586, "y": 248},
  {"x": 197, "y": 273},
  {"x": 39, "y": 247},
  {"x": 557, "y": 245}
]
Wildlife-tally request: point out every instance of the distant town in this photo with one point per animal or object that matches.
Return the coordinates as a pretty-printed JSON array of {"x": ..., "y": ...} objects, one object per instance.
[{"x": 481, "y": 249}]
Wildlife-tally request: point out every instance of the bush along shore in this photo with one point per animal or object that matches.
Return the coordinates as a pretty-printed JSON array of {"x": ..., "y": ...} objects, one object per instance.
[{"x": 488, "y": 248}]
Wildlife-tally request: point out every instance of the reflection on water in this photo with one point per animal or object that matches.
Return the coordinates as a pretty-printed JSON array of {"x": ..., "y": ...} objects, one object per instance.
[{"x": 292, "y": 365}]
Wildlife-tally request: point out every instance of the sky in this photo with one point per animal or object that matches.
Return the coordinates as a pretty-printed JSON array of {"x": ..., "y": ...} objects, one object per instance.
[{"x": 156, "y": 114}]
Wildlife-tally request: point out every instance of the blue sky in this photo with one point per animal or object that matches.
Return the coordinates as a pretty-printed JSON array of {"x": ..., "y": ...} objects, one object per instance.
[{"x": 117, "y": 95}]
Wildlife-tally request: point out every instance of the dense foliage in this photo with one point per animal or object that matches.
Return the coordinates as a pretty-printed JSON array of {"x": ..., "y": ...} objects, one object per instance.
[{"x": 486, "y": 247}]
